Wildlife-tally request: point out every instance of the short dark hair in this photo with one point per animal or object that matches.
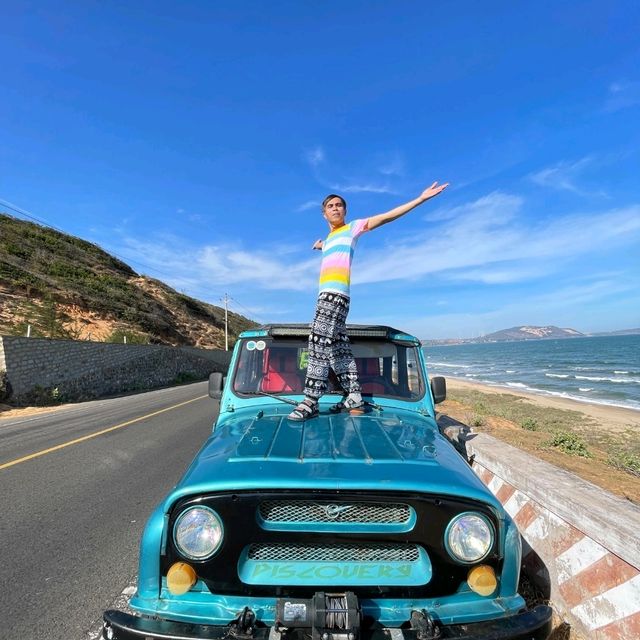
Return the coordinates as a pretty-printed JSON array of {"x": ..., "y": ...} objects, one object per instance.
[{"x": 331, "y": 196}]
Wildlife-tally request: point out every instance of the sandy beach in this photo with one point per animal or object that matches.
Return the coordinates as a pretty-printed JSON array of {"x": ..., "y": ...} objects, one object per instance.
[{"x": 614, "y": 419}]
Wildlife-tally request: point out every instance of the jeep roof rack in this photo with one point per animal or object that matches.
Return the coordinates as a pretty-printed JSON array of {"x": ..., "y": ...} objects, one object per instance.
[{"x": 353, "y": 330}]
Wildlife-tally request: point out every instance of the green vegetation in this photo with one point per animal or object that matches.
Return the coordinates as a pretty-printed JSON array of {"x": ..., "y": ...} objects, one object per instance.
[
  {"x": 5, "y": 387},
  {"x": 570, "y": 443},
  {"x": 481, "y": 407},
  {"x": 44, "y": 396},
  {"x": 48, "y": 268},
  {"x": 570, "y": 432},
  {"x": 127, "y": 337},
  {"x": 186, "y": 377},
  {"x": 477, "y": 420},
  {"x": 41, "y": 320},
  {"x": 625, "y": 461},
  {"x": 517, "y": 410}
]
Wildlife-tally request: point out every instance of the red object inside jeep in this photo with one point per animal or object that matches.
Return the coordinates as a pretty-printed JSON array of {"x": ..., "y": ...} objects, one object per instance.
[
  {"x": 281, "y": 371},
  {"x": 369, "y": 375}
]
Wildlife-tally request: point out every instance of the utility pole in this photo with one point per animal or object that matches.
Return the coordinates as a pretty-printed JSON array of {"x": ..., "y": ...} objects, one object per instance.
[{"x": 226, "y": 322}]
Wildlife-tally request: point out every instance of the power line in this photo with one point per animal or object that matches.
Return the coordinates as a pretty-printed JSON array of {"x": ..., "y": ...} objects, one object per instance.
[
  {"x": 13, "y": 207},
  {"x": 252, "y": 313},
  {"x": 4, "y": 203}
]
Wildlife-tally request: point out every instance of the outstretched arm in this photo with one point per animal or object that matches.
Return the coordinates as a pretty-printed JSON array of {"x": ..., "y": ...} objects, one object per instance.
[{"x": 427, "y": 194}]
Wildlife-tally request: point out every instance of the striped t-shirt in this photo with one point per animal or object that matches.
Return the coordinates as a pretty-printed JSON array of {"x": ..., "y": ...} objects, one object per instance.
[{"x": 337, "y": 254}]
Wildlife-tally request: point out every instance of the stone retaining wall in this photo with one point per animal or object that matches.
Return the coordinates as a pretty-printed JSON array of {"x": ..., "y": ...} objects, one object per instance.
[
  {"x": 39, "y": 370},
  {"x": 581, "y": 543}
]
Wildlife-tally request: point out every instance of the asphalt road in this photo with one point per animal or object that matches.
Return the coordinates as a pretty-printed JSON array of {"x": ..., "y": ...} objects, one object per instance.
[{"x": 71, "y": 517}]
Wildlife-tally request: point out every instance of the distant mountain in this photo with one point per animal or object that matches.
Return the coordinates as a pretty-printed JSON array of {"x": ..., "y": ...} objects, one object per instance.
[
  {"x": 529, "y": 332},
  {"x": 57, "y": 285},
  {"x": 525, "y": 332}
]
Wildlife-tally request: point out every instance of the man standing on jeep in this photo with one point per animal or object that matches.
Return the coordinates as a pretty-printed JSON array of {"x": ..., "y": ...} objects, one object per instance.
[{"x": 329, "y": 346}]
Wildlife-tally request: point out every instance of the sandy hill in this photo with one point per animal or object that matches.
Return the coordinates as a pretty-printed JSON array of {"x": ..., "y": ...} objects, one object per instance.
[
  {"x": 528, "y": 332},
  {"x": 65, "y": 287}
]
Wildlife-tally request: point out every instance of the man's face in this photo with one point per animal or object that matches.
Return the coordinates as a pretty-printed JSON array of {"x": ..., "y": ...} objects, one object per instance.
[{"x": 334, "y": 212}]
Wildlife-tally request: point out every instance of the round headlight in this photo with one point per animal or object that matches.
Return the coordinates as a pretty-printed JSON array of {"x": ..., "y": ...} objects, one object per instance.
[
  {"x": 198, "y": 533},
  {"x": 469, "y": 537}
]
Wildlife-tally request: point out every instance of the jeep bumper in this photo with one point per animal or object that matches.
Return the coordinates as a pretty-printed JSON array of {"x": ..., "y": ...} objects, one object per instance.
[{"x": 529, "y": 625}]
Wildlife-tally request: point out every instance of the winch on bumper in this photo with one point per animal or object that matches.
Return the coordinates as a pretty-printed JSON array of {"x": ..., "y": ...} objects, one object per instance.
[{"x": 327, "y": 616}]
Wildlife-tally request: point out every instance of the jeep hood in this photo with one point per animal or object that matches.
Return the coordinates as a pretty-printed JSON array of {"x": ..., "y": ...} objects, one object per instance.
[{"x": 392, "y": 450}]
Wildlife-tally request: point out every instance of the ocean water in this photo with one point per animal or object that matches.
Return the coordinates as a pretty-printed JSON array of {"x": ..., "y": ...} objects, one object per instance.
[{"x": 602, "y": 370}]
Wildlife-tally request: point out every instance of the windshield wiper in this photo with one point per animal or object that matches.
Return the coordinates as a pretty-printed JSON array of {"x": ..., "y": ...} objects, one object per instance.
[
  {"x": 367, "y": 403},
  {"x": 271, "y": 395}
]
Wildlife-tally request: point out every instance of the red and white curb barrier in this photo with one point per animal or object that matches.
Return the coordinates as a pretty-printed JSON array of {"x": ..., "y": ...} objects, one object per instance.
[{"x": 567, "y": 536}]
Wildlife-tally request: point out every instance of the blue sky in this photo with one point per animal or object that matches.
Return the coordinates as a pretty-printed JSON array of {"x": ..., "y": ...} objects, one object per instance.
[{"x": 196, "y": 140}]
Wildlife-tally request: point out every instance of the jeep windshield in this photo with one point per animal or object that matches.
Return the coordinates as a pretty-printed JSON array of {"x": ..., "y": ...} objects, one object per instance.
[{"x": 277, "y": 366}]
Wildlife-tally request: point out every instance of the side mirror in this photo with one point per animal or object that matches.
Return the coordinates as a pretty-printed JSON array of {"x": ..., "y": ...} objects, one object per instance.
[
  {"x": 216, "y": 382},
  {"x": 439, "y": 389}
]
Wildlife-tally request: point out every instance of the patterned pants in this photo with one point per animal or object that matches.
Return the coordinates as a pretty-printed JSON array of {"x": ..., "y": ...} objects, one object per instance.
[{"x": 329, "y": 347}]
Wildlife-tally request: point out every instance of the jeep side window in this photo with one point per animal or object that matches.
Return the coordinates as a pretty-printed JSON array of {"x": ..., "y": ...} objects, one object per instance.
[{"x": 412, "y": 369}]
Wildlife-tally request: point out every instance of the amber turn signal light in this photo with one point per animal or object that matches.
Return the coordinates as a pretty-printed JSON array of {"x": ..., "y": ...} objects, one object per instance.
[
  {"x": 482, "y": 580},
  {"x": 180, "y": 578}
]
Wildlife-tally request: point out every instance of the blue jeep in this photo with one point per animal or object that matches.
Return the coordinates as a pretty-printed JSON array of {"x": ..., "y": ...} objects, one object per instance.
[{"x": 338, "y": 528}]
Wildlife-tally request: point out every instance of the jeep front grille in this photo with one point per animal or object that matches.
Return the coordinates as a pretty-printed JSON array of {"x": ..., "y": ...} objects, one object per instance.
[
  {"x": 341, "y": 552},
  {"x": 280, "y": 511},
  {"x": 283, "y": 543}
]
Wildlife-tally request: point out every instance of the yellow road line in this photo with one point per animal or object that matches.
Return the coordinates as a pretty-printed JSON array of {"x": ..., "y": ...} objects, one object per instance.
[{"x": 94, "y": 435}]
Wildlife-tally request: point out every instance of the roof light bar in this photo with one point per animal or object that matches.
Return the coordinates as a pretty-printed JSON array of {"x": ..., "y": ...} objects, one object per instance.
[
  {"x": 355, "y": 331},
  {"x": 380, "y": 332},
  {"x": 290, "y": 331}
]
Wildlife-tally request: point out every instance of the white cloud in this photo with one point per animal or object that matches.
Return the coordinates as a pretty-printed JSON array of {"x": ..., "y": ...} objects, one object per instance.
[
  {"x": 213, "y": 266},
  {"x": 488, "y": 237},
  {"x": 392, "y": 165},
  {"x": 511, "y": 273},
  {"x": 580, "y": 294},
  {"x": 556, "y": 306},
  {"x": 622, "y": 95},
  {"x": 565, "y": 176},
  {"x": 259, "y": 313},
  {"x": 493, "y": 207},
  {"x": 222, "y": 264},
  {"x": 310, "y": 204},
  {"x": 355, "y": 180},
  {"x": 360, "y": 187},
  {"x": 315, "y": 156},
  {"x": 485, "y": 241}
]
